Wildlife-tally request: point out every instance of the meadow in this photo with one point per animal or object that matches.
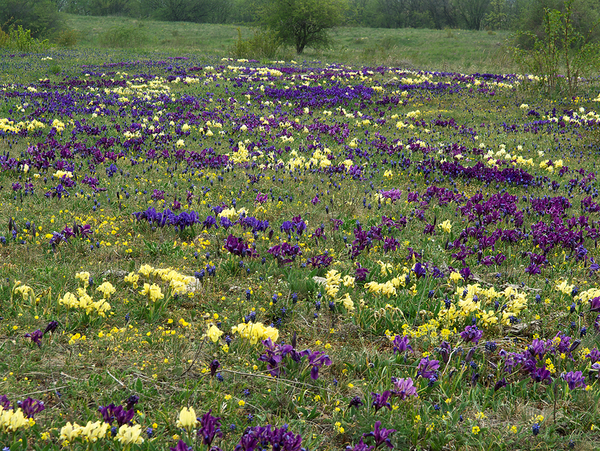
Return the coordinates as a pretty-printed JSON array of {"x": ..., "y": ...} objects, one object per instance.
[{"x": 228, "y": 254}]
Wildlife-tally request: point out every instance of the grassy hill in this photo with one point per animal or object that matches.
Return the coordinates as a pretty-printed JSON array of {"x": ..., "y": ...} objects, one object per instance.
[{"x": 443, "y": 50}]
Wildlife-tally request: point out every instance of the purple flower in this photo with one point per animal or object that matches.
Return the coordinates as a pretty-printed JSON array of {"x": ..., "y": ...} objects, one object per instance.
[
  {"x": 31, "y": 406},
  {"x": 214, "y": 366},
  {"x": 361, "y": 273},
  {"x": 595, "y": 304},
  {"x": 317, "y": 359},
  {"x": 260, "y": 198},
  {"x": 355, "y": 402},
  {"x": 131, "y": 402},
  {"x": 284, "y": 440},
  {"x": 401, "y": 343},
  {"x": 181, "y": 446},
  {"x": 320, "y": 261},
  {"x": 210, "y": 427},
  {"x": 427, "y": 368},
  {"x": 381, "y": 400},
  {"x": 36, "y": 337},
  {"x": 419, "y": 270},
  {"x": 533, "y": 269},
  {"x": 574, "y": 379},
  {"x": 51, "y": 327},
  {"x": 4, "y": 402},
  {"x": 471, "y": 333},
  {"x": 404, "y": 388},
  {"x": 107, "y": 413},
  {"x": 237, "y": 246},
  {"x": 123, "y": 416},
  {"x": 500, "y": 384},
  {"x": 381, "y": 435},
  {"x": 360, "y": 446}
]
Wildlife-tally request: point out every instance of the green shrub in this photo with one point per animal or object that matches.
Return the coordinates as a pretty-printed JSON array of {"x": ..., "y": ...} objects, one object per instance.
[
  {"x": 123, "y": 36},
  {"x": 262, "y": 44},
  {"x": 563, "y": 55},
  {"x": 20, "y": 39},
  {"x": 40, "y": 17},
  {"x": 67, "y": 38}
]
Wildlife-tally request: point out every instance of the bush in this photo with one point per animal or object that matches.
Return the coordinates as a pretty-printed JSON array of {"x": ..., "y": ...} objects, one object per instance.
[
  {"x": 67, "y": 38},
  {"x": 562, "y": 55},
  {"x": 39, "y": 17},
  {"x": 262, "y": 44},
  {"x": 20, "y": 39},
  {"x": 123, "y": 36}
]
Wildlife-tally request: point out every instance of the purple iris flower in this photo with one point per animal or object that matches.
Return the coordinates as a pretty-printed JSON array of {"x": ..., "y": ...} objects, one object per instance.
[
  {"x": 381, "y": 400},
  {"x": 471, "y": 333},
  {"x": 317, "y": 359},
  {"x": 210, "y": 427},
  {"x": 404, "y": 388},
  {"x": 427, "y": 368},
  {"x": 381, "y": 435},
  {"x": 31, "y": 406},
  {"x": 36, "y": 337},
  {"x": 574, "y": 379},
  {"x": 401, "y": 343}
]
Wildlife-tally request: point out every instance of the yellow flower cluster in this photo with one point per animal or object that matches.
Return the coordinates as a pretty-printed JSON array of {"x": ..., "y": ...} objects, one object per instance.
[
  {"x": 473, "y": 300},
  {"x": 178, "y": 283},
  {"x": 130, "y": 435},
  {"x": 91, "y": 432},
  {"x": 255, "y": 332},
  {"x": 25, "y": 291},
  {"x": 152, "y": 291},
  {"x": 564, "y": 287},
  {"x": 85, "y": 302},
  {"x": 333, "y": 282},
  {"x": 11, "y": 420},
  {"x": 586, "y": 295}
]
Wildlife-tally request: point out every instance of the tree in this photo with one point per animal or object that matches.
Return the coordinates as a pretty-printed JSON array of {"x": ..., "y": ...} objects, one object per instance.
[
  {"x": 303, "y": 23},
  {"x": 39, "y": 16},
  {"x": 471, "y": 12}
]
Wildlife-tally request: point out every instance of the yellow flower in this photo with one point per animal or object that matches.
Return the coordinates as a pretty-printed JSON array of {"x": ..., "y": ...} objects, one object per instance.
[
  {"x": 11, "y": 420},
  {"x": 106, "y": 289},
  {"x": 130, "y": 434},
  {"x": 476, "y": 430},
  {"x": 70, "y": 431},
  {"x": 93, "y": 431},
  {"x": 214, "y": 333},
  {"x": 446, "y": 226},
  {"x": 241, "y": 403},
  {"x": 455, "y": 276},
  {"x": 187, "y": 418},
  {"x": 152, "y": 291}
]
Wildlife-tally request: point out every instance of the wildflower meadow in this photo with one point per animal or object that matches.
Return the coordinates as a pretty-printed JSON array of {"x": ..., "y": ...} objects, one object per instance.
[{"x": 238, "y": 255}]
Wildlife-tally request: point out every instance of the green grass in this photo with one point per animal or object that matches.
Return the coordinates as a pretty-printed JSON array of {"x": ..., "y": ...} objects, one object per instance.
[
  {"x": 401, "y": 136},
  {"x": 443, "y": 50}
]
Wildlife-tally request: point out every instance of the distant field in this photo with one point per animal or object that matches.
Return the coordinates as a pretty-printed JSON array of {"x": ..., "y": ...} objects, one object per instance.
[{"x": 444, "y": 50}]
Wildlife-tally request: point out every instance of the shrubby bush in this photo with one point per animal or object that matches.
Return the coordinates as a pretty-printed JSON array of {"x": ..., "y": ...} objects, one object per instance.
[{"x": 40, "y": 17}]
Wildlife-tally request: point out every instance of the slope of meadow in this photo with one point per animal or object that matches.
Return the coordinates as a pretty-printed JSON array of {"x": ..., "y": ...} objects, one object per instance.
[{"x": 214, "y": 252}]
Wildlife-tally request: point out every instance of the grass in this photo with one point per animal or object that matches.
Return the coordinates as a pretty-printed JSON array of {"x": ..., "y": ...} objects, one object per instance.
[
  {"x": 444, "y": 50},
  {"x": 393, "y": 233}
]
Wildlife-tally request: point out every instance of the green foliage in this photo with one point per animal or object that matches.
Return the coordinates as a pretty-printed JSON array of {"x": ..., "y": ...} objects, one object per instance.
[
  {"x": 562, "y": 55},
  {"x": 303, "y": 23},
  {"x": 176, "y": 10},
  {"x": 123, "y": 36},
  {"x": 532, "y": 19},
  {"x": 263, "y": 43},
  {"x": 20, "y": 39},
  {"x": 40, "y": 17},
  {"x": 67, "y": 38}
]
